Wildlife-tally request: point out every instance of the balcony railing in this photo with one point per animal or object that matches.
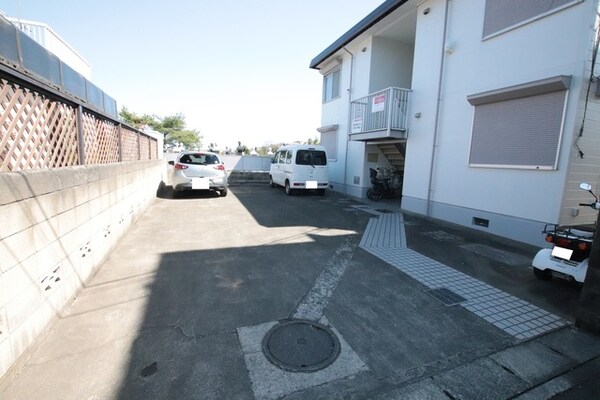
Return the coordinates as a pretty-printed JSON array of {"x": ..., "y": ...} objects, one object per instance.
[{"x": 380, "y": 115}]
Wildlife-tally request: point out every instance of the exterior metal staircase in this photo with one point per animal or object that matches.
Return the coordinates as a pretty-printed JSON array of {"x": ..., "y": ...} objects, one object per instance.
[{"x": 394, "y": 152}]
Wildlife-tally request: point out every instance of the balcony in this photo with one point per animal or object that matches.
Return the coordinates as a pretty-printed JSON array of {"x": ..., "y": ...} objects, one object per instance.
[{"x": 380, "y": 116}]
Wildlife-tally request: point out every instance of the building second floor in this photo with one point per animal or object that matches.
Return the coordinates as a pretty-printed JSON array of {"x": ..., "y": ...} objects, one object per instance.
[{"x": 407, "y": 55}]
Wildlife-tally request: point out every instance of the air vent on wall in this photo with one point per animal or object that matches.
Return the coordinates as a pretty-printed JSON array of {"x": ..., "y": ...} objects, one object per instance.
[{"x": 481, "y": 222}]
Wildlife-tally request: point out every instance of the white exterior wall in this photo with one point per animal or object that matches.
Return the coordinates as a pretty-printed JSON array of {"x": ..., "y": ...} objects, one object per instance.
[
  {"x": 423, "y": 100},
  {"x": 438, "y": 179},
  {"x": 334, "y": 113},
  {"x": 541, "y": 49},
  {"x": 382, "y": 64},
  {"x": 341, "y": 174},
  {"x": 391, "y": 65}
]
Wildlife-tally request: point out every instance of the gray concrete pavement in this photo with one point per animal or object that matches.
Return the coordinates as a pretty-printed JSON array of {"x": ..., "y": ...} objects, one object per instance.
[{"x": 180, "y": 307}]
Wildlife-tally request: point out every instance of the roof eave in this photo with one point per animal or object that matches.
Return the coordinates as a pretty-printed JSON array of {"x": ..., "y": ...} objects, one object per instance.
[{"x": 374, "y": 17}]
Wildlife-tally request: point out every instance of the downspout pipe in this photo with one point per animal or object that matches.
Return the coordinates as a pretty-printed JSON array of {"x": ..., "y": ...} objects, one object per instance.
[
  {"x": 436, "y": 126},
  {"x": 349, "y": 130}
]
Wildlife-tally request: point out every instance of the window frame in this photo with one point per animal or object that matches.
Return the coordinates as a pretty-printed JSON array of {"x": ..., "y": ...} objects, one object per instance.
[
  {"x": 280, "y": 157},
  {"x": 524, "y": 91},
  {"x": 330, "y": 134},
  {"x": 522, "y": 22},
  {"x": 331, "y": 75}
]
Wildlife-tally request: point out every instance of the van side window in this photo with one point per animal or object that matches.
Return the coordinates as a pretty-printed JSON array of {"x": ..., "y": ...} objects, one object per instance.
[
  {"x": 281, "y": 157},
  {"x": 288, "y": 159}
]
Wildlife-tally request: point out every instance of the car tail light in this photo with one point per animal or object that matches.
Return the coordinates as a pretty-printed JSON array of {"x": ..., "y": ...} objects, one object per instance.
[
  {"x": 180, "y": 166},
  {"x": 549, "y": 238},
  {"x": 582, "y": 246},
  {"x": 220, "y": 167},
  {"x": 563, "y": 242}
]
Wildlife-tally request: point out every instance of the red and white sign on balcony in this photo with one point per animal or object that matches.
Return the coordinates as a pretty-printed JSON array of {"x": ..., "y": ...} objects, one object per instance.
[{"x": 378, "y": 103}]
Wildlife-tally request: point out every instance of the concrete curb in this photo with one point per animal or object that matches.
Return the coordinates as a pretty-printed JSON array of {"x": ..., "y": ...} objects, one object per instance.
[{"x": 560, "y": 384}]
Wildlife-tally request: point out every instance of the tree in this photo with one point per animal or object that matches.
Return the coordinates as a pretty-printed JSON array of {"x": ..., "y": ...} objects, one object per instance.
[
  {"x": 263, "y": 150},
  {"x": 189, "y": 139},
  {"x": 171, "y": 124},
  {"x": 137, "y": 121},
  {"x": 172, "y": 127},
  {"x": 313, "y": 141}
]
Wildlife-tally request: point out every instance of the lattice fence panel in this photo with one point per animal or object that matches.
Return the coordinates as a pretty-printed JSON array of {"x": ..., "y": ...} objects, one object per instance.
[
  {"x": 35, "y": 131},
  {"x": 144, "y": 148},
  {"x": 129, "y": 141},
  {"x": 101, "y": 139}
]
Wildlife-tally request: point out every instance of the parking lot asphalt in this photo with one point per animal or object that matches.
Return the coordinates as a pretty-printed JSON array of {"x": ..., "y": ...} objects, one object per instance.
[{"x": 181, "y": 308}]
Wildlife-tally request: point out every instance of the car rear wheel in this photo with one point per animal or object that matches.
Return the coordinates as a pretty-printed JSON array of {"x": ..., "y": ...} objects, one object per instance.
[
  {"x": 288, "y": 189},
  {"x": 542, "y": 274},
  {"x": 223, "y": 192}
]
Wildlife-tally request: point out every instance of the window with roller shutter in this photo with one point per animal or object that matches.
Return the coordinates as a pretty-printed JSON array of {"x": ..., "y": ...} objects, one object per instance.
[
  {"x": 503, "y": 15},
  {"x": 520, "y": 126}
]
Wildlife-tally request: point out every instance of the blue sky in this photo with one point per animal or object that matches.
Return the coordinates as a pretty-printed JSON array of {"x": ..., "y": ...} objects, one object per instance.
[{"x": 237, "y": 70}]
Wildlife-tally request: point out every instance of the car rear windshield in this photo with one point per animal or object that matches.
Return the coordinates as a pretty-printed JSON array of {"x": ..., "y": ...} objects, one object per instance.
[
  {"x": 311, "y": 157},
  {"x": 199, "y": 159}
]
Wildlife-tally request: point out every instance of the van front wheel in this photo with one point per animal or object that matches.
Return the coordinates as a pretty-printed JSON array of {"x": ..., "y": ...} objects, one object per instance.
[
  {"x": 288, "y": 189},
  {"x": 271, "y": 183}
]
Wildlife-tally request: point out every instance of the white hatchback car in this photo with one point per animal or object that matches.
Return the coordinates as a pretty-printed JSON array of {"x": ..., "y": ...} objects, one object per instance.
[{"x": 198, "y": 170}]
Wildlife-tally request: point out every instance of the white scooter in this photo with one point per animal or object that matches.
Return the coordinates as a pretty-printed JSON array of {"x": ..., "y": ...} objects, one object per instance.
[{"x": 568, "y": 259}]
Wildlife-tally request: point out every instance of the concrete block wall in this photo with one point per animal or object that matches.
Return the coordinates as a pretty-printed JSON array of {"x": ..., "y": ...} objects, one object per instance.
[
  {"x": 246, "y": 163},
  {"x": 57, "y": 227}
]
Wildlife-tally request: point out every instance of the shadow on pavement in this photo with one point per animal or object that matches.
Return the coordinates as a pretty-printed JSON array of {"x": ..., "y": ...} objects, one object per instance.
[
  {"x": 232, "y": 273},
  {"x": 500, "y": 262},
  {"x": 165, "y": 191},
  {"x": 271, "y": 207},
  {"x": 186, "y": 346}
]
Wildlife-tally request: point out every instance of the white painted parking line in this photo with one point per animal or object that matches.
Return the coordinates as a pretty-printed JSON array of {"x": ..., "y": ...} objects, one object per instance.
[
  {"x": 271, "y": 382},
  {"x": 313, "y": 304}
]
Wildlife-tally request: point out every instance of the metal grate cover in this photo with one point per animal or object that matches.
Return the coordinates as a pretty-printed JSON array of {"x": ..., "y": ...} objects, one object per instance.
[
  {"x": 301, "y": 346},
  {"x": 446, "y": 296}
]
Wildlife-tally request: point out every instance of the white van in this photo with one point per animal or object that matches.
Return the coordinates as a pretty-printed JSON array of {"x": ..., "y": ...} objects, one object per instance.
[{"x": 300, "y": 166}]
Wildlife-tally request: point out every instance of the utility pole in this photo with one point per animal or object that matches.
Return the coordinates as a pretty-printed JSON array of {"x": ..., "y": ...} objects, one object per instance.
[{"x": 588, "y": 311}]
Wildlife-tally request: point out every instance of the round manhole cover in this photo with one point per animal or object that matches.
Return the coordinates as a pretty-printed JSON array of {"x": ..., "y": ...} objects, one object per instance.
[{"x": 301, "y": 346}]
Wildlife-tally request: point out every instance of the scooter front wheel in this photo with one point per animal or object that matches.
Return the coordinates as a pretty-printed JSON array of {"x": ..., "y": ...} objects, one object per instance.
[{"x": 542, "y": 274}]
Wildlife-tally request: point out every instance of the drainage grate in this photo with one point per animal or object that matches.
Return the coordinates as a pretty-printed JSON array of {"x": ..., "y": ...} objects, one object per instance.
[
  {"x": 446, "y": 296},
  {"x": 301, "y": 346}
]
